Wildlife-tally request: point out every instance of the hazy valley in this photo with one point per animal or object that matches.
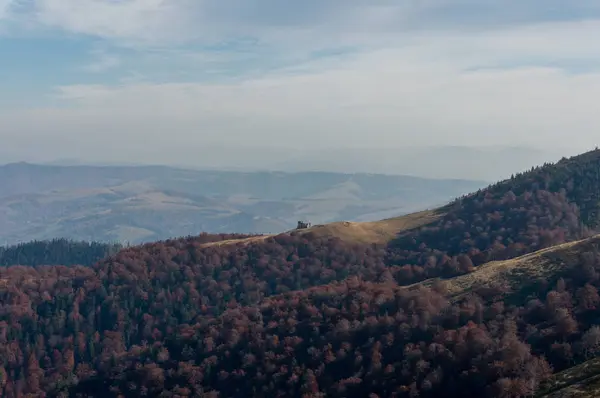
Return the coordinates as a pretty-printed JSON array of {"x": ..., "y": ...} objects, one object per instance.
[{"x": 146, "y": 203}]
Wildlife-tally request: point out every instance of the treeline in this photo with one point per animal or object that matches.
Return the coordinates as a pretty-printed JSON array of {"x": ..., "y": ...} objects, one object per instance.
[
  {"x": 72, "y": 252},
  {"x": 56, "y": 252},
  {"x": 486, "y": 228},
  {"x": 548, "y": 205}
]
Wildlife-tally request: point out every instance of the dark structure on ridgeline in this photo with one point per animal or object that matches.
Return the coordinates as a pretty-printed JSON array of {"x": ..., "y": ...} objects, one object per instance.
[{"x": 303, "y": 225}]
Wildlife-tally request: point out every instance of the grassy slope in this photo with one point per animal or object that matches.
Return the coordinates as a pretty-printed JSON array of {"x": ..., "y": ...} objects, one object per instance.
[
  {"x": 545, "y": 263},
  {"x": 581, "y": 381},
  {"x": 373, "y": 232},
  {"x": 357, "y": 232}
]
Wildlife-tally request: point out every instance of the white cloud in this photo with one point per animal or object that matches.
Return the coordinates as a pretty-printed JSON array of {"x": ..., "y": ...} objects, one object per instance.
[
  {"x": 135, "y": 20},
  {"x": 421, "y": 93},
  {"x": 5, "y": 8},
  {"x": 311, "y": 22},
  {"x": 418, "y": 77},
  {"x": 102, "y": 61}
]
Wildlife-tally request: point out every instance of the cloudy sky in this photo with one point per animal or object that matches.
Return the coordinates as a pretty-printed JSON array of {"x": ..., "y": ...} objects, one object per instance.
[{"x": 154, "y": 80}]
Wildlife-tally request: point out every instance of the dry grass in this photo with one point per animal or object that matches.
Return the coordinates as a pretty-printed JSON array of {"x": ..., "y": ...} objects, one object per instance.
[
  {"x": 242, "y": 241},
  {"x": 581, "y": 381},
  {"x": 511, "y": 273},
  {"x": 358, "y": 232},
  {"x": 373, "y": 232}
]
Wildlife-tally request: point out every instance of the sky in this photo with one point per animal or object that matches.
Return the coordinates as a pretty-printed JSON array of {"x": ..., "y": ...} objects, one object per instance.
[{"x": 176, "y": 81}]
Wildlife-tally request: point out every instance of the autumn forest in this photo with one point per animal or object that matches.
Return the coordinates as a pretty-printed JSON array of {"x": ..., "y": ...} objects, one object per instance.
[{"x": 310, "y": 314}]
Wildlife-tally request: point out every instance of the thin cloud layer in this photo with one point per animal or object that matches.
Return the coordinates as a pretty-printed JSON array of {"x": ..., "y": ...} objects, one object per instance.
[
  {"x": 211, "y": 21},
  {"x": 4, "y": 8},
  {"x": 316, "y": 74}
]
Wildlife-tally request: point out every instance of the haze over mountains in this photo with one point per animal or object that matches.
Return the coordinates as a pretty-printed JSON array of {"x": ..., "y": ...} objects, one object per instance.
[
  {"x": 487, "y": 296},
  {"x": 488, "y": 163},
  {"x": 146, "y": 203},
  {"x": 156, "y": 155}
]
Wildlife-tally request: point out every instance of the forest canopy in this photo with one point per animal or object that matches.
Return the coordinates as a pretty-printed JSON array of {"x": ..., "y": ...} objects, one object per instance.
[{"x": 308, "y": 315}]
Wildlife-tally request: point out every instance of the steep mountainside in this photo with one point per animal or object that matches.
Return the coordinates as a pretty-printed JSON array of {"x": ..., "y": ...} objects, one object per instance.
[
  {"x": 141, "y": 204},
  {"x": 354, "y": 338},
  {"x": 499, "y": 331},
  {"x": 488, "y": 297}
]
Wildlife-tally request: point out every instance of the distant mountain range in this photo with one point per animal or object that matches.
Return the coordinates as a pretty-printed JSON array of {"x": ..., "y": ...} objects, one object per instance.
[
  {"x": 145, "y": 203},
  {"x": 489, "y": 163}
]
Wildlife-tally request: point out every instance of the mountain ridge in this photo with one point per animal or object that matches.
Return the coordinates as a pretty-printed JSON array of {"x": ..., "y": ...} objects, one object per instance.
[
  {"x": 149, "y": 203},
  {"x": 486, "y": 296}
]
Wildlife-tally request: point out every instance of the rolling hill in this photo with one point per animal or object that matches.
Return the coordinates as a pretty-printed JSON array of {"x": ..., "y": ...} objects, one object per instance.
[
  {"x": 148, "y": 203},
  {"x": 490, "y": 296}
]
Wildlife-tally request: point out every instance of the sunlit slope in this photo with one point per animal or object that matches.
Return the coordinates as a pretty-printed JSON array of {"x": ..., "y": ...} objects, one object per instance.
[
  {"x": 517, "y": 272},
  {"x": 373, "y": 232},
  {"x": 378, "y": 232}
]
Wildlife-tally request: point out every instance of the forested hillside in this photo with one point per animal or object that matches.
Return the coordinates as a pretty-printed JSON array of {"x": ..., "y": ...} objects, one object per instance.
[
  {"x": 546, "y": 206},
  {"x": 360, "y": 339},
  {"x": 326, "y": 312},
  {"x": 70, "y": 252},
  {"x": 56, "y": 252}
]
